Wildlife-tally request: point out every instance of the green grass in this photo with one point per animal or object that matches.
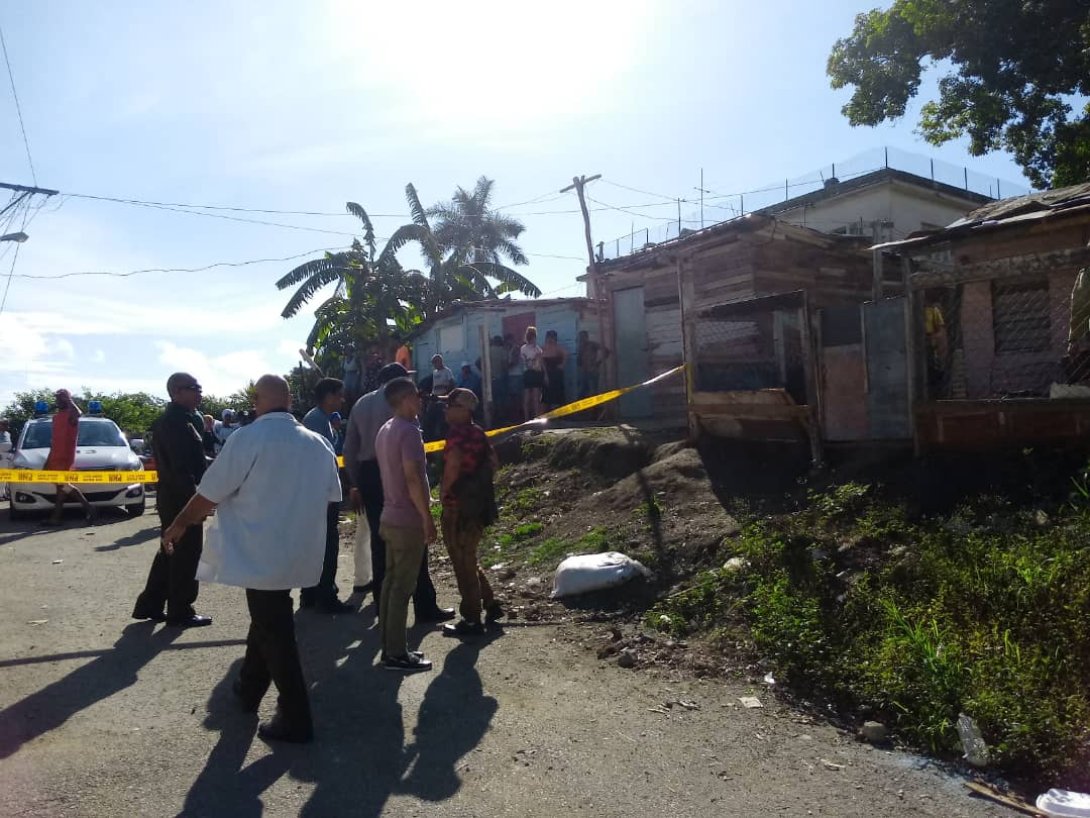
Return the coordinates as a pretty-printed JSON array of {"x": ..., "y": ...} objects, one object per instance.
[
  {"x": 983, "y": 612},
  {"x": 552, "y": 550}
]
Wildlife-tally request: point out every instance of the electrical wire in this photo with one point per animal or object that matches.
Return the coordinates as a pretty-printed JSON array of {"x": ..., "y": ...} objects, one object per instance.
[
  {"x": 18, "y": 110},
  {"x": 15, "y": 258},
  {"x": 206, "y": 267}
]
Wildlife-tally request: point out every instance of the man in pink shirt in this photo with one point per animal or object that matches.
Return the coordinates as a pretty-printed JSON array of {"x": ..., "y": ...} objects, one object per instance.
[{"x": 406, "y": 523}]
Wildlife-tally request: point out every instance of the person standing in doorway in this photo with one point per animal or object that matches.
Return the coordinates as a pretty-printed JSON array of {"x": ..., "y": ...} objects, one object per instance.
[
  {"x": 406, "y": 525},
  {"x": 588, "y": 361},
  {"x": 179, "y": 456},
  {"x": 533, "y": 375},
  {"x": 270, "y": 486},
  {"x": 554, "y": 357},
  {"x": 62, "y": 456},
  {"x": 329, "y": 397},
  {"x": 500, "y": 362}
]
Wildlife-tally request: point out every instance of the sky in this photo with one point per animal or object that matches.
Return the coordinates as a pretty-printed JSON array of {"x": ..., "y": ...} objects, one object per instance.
[{"x": 304, "y": 107}]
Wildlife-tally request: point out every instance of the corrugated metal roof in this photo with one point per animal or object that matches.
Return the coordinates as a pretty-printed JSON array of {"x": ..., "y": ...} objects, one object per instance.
[{"x": 1045, "y": 204}]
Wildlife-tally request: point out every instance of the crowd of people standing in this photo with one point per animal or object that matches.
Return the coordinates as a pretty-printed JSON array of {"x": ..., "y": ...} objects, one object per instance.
[{"x": 274, "y": 493}]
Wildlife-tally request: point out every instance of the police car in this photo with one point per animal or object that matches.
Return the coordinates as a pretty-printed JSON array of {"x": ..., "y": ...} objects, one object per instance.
[{"x": 100, "y": 446}]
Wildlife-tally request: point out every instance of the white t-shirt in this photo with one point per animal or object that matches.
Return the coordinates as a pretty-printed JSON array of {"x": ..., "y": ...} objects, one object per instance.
[
  {"x": 442, "y": 381},
  {"x": 272, "y": 482},
  {"x": 531, "y": 357}
]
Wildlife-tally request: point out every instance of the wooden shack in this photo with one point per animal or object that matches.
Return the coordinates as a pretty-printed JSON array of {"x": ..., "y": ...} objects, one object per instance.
[
  {"x": 752, "y": 370},
  {"x": 997, "y": 358}
]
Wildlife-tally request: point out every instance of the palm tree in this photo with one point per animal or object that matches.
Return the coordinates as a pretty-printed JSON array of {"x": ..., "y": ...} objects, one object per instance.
[
  {"x": 476, "y": 240},
  {"x": 375, "y": 295}
]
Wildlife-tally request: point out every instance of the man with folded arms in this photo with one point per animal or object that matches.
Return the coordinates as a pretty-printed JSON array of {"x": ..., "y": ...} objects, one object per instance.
[{"x": 270, "y": 486}]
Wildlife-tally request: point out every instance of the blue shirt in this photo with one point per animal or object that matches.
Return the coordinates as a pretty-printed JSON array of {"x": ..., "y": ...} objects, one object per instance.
[
  {"x": 318, "y": 421},
  {"x": 472, "y": 382}
]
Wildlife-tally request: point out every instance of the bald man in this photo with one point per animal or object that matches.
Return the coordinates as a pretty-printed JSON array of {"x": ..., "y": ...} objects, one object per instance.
[
  {"x": 270, "y": 485},
  {"x": 178, "y": 442}
]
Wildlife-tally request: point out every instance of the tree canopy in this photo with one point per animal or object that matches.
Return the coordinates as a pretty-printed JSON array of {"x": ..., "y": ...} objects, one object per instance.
[
  {"x": 375, "y": 296},
  {"x": 1017, "y": 77}
]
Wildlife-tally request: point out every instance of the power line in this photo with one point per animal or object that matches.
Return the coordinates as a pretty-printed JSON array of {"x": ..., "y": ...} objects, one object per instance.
[
  {"x": 205, "y": 268},
  {"x": 15, "y": 258},
  {"x": 19, "y": 111}
]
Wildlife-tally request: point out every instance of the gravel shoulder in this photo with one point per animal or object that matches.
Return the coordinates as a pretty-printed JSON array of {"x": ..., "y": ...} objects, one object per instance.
[{"x": 102, "y": 716}]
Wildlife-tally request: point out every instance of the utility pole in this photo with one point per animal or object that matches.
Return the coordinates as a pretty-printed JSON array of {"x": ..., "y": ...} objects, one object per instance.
[
  {"x": 702, "y": 192},
  {"x": 577, "y": 184},
  {"x": 24, "y": 193},
  {"x": 597, "y": 293}
]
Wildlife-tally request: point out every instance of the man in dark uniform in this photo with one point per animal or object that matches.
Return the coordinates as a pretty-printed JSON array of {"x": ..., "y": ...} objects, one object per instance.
[{"x": 179, "y": 454}]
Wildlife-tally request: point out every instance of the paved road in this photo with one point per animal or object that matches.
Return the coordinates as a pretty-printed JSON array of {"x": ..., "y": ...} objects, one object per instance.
[{"x": 102, "y": 716}]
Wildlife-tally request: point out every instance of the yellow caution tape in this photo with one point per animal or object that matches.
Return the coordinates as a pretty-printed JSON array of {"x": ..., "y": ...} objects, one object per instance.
[
  {"x": 124, "y": 478},
  {"x": 130, "y": 477},
  {"x": 566, "y": 409}
]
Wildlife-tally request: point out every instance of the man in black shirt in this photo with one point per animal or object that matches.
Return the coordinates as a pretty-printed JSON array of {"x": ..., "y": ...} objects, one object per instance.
[{"x": 179, "y": 455}]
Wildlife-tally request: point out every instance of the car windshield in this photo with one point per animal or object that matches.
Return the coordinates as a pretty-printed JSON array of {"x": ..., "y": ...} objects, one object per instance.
[{"x": 91, "y": 433}]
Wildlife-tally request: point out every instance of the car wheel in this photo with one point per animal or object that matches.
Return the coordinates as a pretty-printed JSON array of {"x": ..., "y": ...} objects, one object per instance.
[
  {"x": 16, "y": 513},
  {"x": 136, "y": 509}
]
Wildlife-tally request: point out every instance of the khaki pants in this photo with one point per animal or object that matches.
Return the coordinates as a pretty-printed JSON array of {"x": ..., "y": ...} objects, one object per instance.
[
  {"x": 462, "y": 541},
  {"x": 404, "y": 552}
]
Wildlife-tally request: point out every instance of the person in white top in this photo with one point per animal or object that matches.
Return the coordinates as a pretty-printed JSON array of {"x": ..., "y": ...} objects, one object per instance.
[
  {"x": 533, "y": 374},
  {"x": 270, "y": 486}
]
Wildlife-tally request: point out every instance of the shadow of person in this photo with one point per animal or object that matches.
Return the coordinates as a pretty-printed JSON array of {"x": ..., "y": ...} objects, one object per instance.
[
  {"x": 142, "y": 536},
  {"x": 453, "y": 719},
  {"x": 112, "y": 671},
  {"x": 223, "y": 786},
  {"x": 359, "y": 758}
]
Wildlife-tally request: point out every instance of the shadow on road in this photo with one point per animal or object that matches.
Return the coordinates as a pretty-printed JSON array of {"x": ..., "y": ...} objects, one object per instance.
[
  {"x": 136, "y": 538},
  {"x": 359, "y": 758},
  {"x": 112, "y": 671}
]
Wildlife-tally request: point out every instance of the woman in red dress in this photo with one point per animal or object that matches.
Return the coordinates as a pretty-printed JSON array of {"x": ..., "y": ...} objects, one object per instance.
[{"x": 62, "y": 455}]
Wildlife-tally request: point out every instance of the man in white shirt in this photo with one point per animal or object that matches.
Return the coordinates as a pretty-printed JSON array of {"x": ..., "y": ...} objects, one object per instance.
[{"x": 270, "y": 485}]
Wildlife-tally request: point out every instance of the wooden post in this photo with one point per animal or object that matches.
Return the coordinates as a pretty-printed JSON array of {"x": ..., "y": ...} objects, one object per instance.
[
  {"x": 813, "y": 400},
  {"x": 601, "y": 297},
  {"x": 911, "y": 351},
  {"x": 877, "y": 284},
  {"x": 486, "y": 375},
  {"x": 687, "y": 300}
]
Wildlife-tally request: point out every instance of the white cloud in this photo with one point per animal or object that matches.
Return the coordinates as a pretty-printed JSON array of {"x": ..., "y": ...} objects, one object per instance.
[{"x": 218, "y": 374}]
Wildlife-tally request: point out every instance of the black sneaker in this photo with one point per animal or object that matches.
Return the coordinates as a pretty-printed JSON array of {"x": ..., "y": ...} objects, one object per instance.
[
  {"x": 464, "y": 628},
  {"x": 409, "y": 663},
  {"x": 494, "y": 612},
  {"x": 418, "y": 653}
]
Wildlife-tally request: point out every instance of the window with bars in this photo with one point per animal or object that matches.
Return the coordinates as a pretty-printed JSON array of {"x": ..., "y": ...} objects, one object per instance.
[{"x": 1020, "y": 315}]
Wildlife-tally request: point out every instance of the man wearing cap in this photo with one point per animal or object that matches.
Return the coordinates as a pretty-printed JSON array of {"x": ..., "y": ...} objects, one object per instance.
[
  {"x": 329, "y": 396},
  {"x": 62, "y": 455},
  {"x": 179, "y": 455},
  {"x": 469, "y": 505},
  {"x": 364, "y": 421}
]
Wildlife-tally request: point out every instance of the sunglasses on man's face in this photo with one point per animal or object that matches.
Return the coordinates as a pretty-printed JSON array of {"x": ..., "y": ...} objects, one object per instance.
[{"x": 196, "y": 387}]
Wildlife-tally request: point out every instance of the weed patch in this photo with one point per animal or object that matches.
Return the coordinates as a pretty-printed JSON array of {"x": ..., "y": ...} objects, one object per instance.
[{"x": 981, "y": 612}]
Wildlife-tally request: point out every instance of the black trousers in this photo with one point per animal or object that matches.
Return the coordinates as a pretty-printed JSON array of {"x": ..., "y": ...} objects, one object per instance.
[
  {"x": 326, "y": 589},
  {"x": 369, "y": 482},
  {"x": 172, "y": 579},
  {"x": 272, "y": 657}
]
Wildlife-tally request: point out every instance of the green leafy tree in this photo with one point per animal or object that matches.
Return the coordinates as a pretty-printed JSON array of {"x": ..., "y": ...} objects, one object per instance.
[
  {"x": 1016, "y": 72},
  {"x": 373, "y": 294}
]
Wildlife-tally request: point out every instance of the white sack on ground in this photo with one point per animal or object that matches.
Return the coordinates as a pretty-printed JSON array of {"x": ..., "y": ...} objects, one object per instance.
[{"x": 595, "y": 572}]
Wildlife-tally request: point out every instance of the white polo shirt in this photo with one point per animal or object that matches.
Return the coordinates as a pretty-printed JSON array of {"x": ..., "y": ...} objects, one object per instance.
[{"x": 272, "y": 484}]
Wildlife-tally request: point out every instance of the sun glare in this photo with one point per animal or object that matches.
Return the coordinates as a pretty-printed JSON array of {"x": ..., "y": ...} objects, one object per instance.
[{"x": 488, "y": 66}]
